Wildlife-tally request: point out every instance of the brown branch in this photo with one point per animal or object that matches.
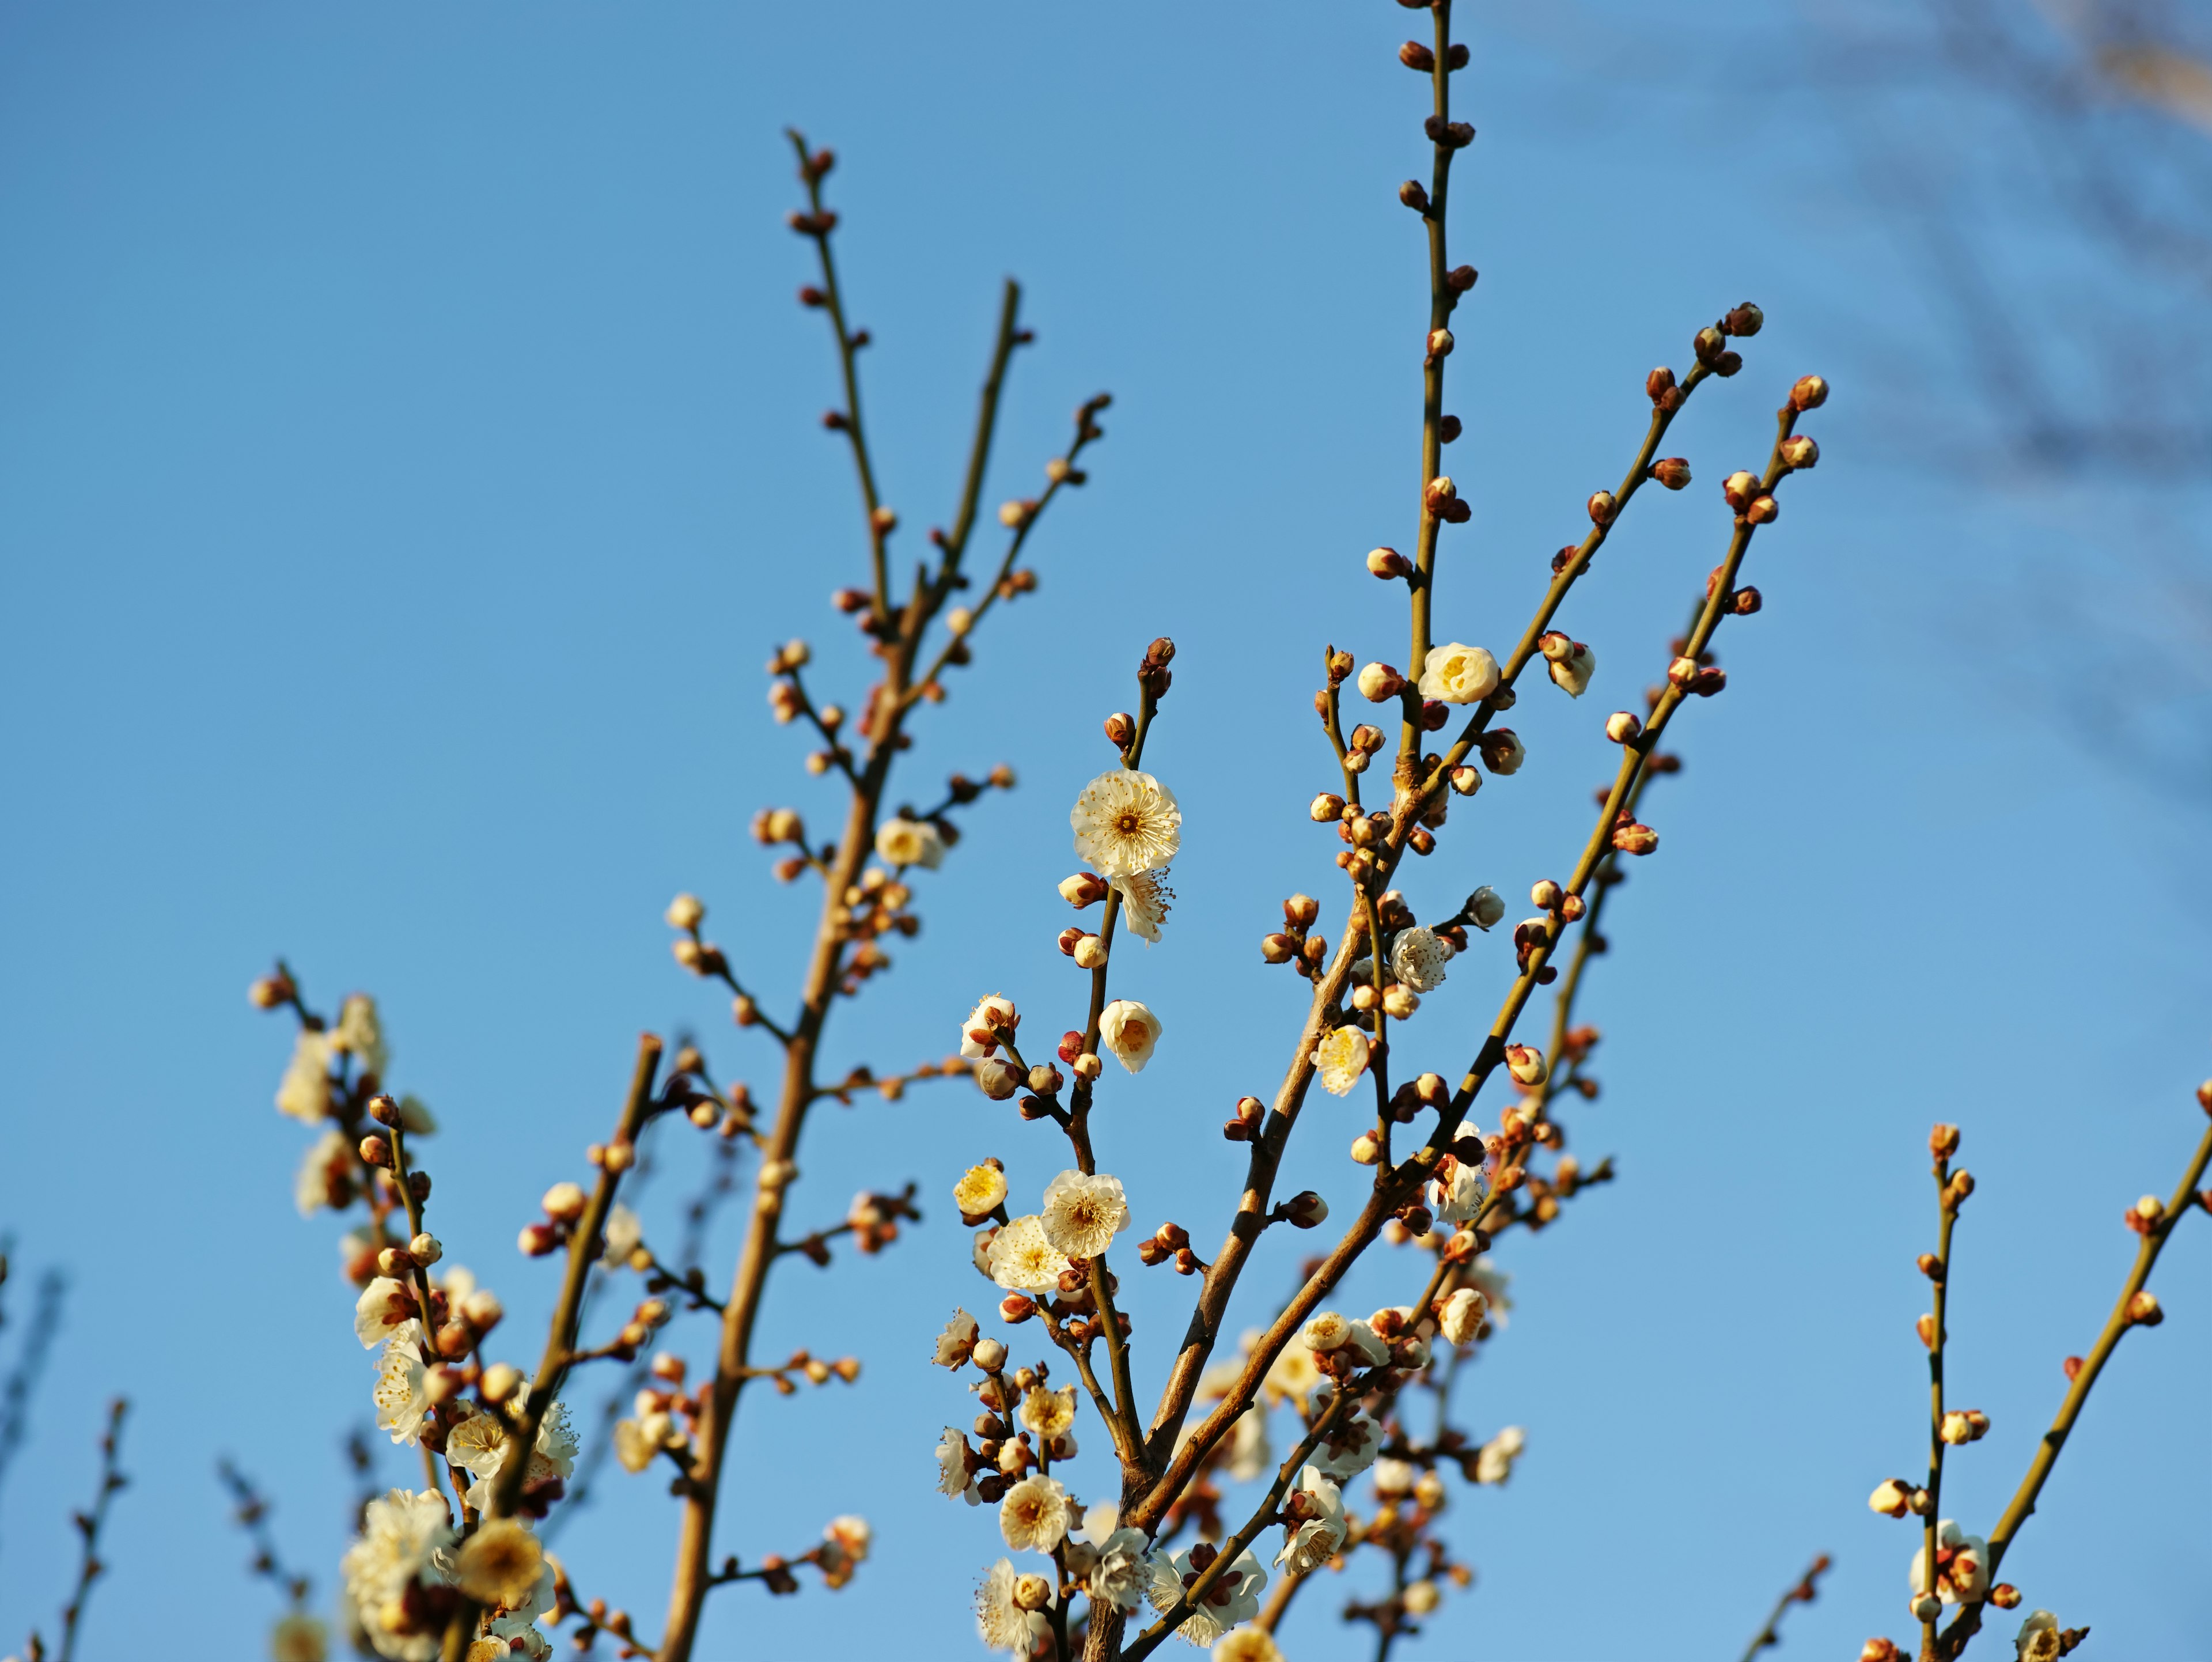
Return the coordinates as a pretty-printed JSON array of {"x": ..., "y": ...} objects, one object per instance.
[
  {"x": 1807, "y": 1589},
  {"x": 89, "y": 1524}
]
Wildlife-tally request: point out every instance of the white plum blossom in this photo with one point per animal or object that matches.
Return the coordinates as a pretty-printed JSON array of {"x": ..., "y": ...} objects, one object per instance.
[
  {"x": 1082, "y": 1214},
  {"x": 360, "y": 1035},
  {"x": 1124, "y": 1569},
  {"x": 1146, "y": 900},
  {"x": 1458, "y": 675},
  {"x": 1573, "y": 672},
  {"x": 958, "y": 1341},
  {"x": 903, "y": 841},
  {"x": 1003, "y": 1624},
  {"x": 328, "y": 1164},
  {"x": 1129, "y": 1030},
  {"x": 1049, "y": 1412},
  {"x": 384, "y": 1306},
  {"x": 1246, "y": 1644},
  {"x": 404, "y": 1539},
  {"x": 954, "y": 1479},
  {"x": 1024, "y": 1260},
  {"x": 625, "y": 1234},
  {"x": 1350, "y": 1449},
  {"x": 1250, "y": 1454},
  {"x": 305, "y": 1091},
  {"x": 1460, "y": 1196},
  {"x": 976, "y": 1040},
  {"x": 402, "y": 1401},
  {"x": 501, "y": 1564},
  {"x": 1314, "y": 1542},
  {"x": 1035, "y": 1514},
  {"x": 1461, "y": 1319},
  {"x": 1342, "y": 1058},
  {"x": 1417, "y": 958},
  {"x": 2038, "y": 1639},
  {"x": 1494, "y": 1461},
  {"x": 637, "y": 1442},
  {"x": 1126, "y": 822},
  {"x": 1966, "y": 1579},
  {"x": 1235, "y": 1598},
  {"x": 981, "y": 1191}
]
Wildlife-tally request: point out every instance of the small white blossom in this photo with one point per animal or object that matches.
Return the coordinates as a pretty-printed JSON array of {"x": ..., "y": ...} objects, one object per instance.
[
  {"x": 1417, "y": 958},
  {"x": 1458, "y": 675},
  {"x": 1049, "y": 1412},
  {"x": 1126, "y": 822},
  {"x": 954, "y": 1479},
  {"x": 1246, "y": 1645},
  {"x": 958, "y": 1341},
  {"x": 1082, "y": 1214},
  {"x": 1124, "y": 1570},
  {"x": 1573, "y": 672},
  {"x": 1460, "y": 1197},
  {"x": 981, "y": 1191},
  {"x": 1023, "y": 1259},
  {"x": 384, "y": 1306},
  {"x": 501, "y": 1564},
  {"x": 305, "y": 1091},
  {"x": 1313, "y": 1543},
  {"x": 638, "y": 1442},
  {"x": 1145, "y": 899},
  {"x": 1966, "y": 1579},
  {"x": 1494, "y": 1461},
  {"x": 1250, "y": 1454},
  {"x": 2038, "y": 1638},
  {"x": 901, "y": 842},
  {"x": 976, "y": 1040},
  {"x": 402, "y": 1403},
  {"x": 625, "y": 1234},
  {"x": 1242, "y": 1583},
  {"x": 404, "y": 1540},
  {"x": 1342, "y": 1058},
  {"x": 1003, "y": 1624},
  {"x": 1461, "y": 1319},
  {"x": 1129, "y": 1030},
  {"x": 1035, "y": 1514}
]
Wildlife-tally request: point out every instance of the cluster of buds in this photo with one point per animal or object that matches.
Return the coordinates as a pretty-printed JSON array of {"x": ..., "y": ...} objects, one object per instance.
[
  {"x": 1893, "y": 1497},
  {"x": 1295, "y": 943},
  {"x": 872, "y": 908},
  {"x": 874, "y": 1220},
  {"x": 1570, "y": 662},
  {"x": 563, "y": 1205},
  {"x": 1964, "y": 1426},
  {"x": 776, "y": 827},
  {"x": 1424, "y": 1091},
  {"x": 2145, "y": 1215},
  {"x": 1152, "y": 672},
  {"x": 1251, "y": 1112},
  {"x": 1415, "y": 56},
  {"x": 1746, "y": 493},
  {"x": 1699, "y": 677},
  {"x": 1171, "y": 1243}
]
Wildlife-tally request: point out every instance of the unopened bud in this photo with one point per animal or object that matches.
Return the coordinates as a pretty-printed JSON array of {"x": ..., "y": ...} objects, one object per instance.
[
  {"x": 1091, "y": 953},
  {"x": 563, "y": 1202},
  {"x": 989, "y": 1354},
  {"x": 1622, "y": 726},
  {"x": 1365, "y": 1151},
  {"x": 482, "y": 1310},
  {"x": 1892, "y": 1498},
  {"x": 498, "y": 1382},
  {"x": 2142, "y": 1309},
  {"x": 1673, "y": 471},
  {"x": 1547, "y": 894},
  {"x": 1466, "y": 780},
  {"x": 1440, "y": 343},
  {"x": 1014, "y": 1309},
  {"x": 1087, "y": 1066},
  {"x": 385, "y": 1111},
  {"x": 376, "y": 1151},
  {"x": 1326, "y": 806},
  {"x": 1526, "y": 1064},
  {"x": 1379, "y": 682},
  {"x": 1603, "y": 506},
  {"x": 1278, "y": 948},
  {"x": 2005, "y": 1596},
  {"x": 1388, "y": 563},
  {"x": 1084, "y": 888},
  {"x": 1031, "y": 1592},
  {"x": 1764, "y": 510},
  {"x": 1744, "y": 319},
  {"x": 1799, "y": 451},
  {"x": 998, "y": 1078},
  {"x": 1045, "y": 1079},
  {"x": 1738, "y": 489},
  {"x": 1810, "y": 392}
]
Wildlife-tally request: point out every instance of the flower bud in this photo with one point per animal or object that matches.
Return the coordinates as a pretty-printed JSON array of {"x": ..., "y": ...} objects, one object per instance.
[
  {"x": 1810, "y": 392},
  {"x": 385, "y": 1111},
  {"x": 1943, "y": 1140},
  {"x": 1031, "y": 1592},
  {"x": 1744, "y": 319},
  {"x": 1603, "y": 506},
  {"x": 1278, "y": 948},
  {"x": 1414, "y": 196},
  {"x": 1014, "y": 1309},
  {"x": 1379, "y": 682},
  {"x": 375, "y": 1151},
  {"x": 1926, "y": 1607},
  {"x": 1084, "y": 888},
  {"x": 564, "y": 1203},
  {"x": 1955, "y": 1429},
  {"x": 998, "y": 1078},
  {"x": 1738, "y": 489},
  {"x": 1484, "y": 908},
  {"x": 1764, "y": 510},
  {"x": 1091, "y": 953},
  {"x": 1799, "y": 451},
  {"x": 1087, "y": 1065},
  {"x": 1121, "y": 729},
  {"x": 1398, "y": 1003},
  {"x": 498, "y": 1382},
  {"x": 1673, "y": 471},
  {"x": 537, "y": 1240},
  {"x": 1415, "y": 56},
  {"x": 1622, "y": 726},
  {"x": 1440, "y": 344},
  {"x": 1365, "y": 1151},
  {"x": 2005, "y": 1596},
  {"x": 1326, "y": 806},
  {"x": 1892, "y": 1498},
  {"x": 482, "y": 1310},
  {"x": 1305, "y": 1210},
  {"x": 1388, "y": 563},
  {"x": 989, "y": 1354},
  {"x": 1635, "y": 838},
  {"x": 1526, "y": 1064},
  {"x": 1709, "y": 344},
  {"x": 1878, "y": 1650},
  {"x": 1925, "y": 1327},
  {"x": 1466, "y": 780},
  {"x": 1503, "y": 751},
  {"x": 2143, "y": 1310},
  {"x": 1547, "y": 894},
  {"x": 397, "y": 1262}
]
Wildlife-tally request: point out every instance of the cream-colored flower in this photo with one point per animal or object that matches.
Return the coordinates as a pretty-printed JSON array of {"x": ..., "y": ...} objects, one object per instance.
[
  {"x": 1460, "y": 1320},
  {"x": 1494, "y": 1461},
  {"x": 1292, "y": 1375},
  {"x": 638, "y": 1442},
  {"x": 300, "y": 1637},
  {"x": 1573, "y": 672},
  {"x": 1250, "y": 1454},
  {"x": 305, "y": 1090},
  {"x": 980, "y": 1191},
  {"x": 1965, "y": 1580},
  {"x": 1003, "y": 1624},
  {"x": 1035, "y": 1514},
  {"x": 1049, "y": 1412},
  {"x": 955, "y": 1480},
  {"x": 1342, "y": 1057},
  {"x": 1126, "y": 822},
  {"x": 958, "y": 1341},
  {"x": 1460, "y": 1197},
  {"x": 1421, "y": 1598},
  {"x": 991, "y": 1010},
  {"x": 360, "y": 1034},
  {"x": 1417, "y": 958},
  {"x": 1130, "y": 1030},
  {"x": 901, "y": 843},
  {"x": 1023, "y": 1259},
  {"x": 500, "y": 1564},
  {"x": 384, "y": 1306},
  {"x": 402, "y": 1402},
  {"x": 1458, "y": 675},
  {"x": 1146, "y": 900},
  {"x": 625, "y": 1234},
  {"x": 326, "y": 1174},
  {"x": 2038, "y": 1638},
  {"x": 1240, "y": 1586},
  {"x": 844, "y": 1546},
  {"x": 1313, "y": 1542},
  {"x": 481, "y": 1446},
  {"x": 1082, "y": 1214},
  {"x": 1124, "y": 1569},
  {"x": 403, "y": 1540},
  {"x": 1246, "y": 1644}
]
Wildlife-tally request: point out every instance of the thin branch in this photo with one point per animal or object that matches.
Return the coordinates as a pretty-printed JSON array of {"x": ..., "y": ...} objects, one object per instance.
[
  {"x": 1804, "y": 1593},
  {"x": 89, "y": 1524}
]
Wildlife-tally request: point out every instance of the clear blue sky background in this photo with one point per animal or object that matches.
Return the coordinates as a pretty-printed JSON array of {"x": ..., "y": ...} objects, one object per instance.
[{"x": 408, "y": 456}]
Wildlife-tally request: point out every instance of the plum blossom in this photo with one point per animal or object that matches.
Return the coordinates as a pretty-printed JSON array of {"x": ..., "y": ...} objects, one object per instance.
[
  {"x": 1035, "y": 1514},
  {"x": 1003, "y": 1624},
  {"x": 404, "y": 1540},
  {"x": 1126, "y": 822},
  {"x": 1082, "y": 1214},
  {"x": 958, "y": 1341},
  {"x": 902, "y": 841},
  {"x": 403, "y": 1402},
  {"x": 1458, "y": 675},
  {"x": 981, "y": 1190},
  {"x": 991, "y": 1010},
  {"x": 954, "y": 1479},
  {"x": 1313, "y": 1541},
  {"x": 1235, "y": 1597},
  {"x": 1494, "y": 1461},
  {"x": 1024, "y": 1260},
  {"x": 1417, "y": 958},
  {"x": 305, "y": 1090},
  {"x": 1146, "y": 900},
  {"x": 1129, "y": 1030},
  {"x": 1342, "y": 1058},
  {"x": 1962, "y": 1566}
]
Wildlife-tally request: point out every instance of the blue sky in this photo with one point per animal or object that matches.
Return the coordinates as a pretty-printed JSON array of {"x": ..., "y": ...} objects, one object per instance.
[{"x": 408, "y": 455}]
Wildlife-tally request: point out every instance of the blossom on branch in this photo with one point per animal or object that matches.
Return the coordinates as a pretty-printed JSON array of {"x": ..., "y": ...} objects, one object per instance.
[{"x": 1126, "y": 822}]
